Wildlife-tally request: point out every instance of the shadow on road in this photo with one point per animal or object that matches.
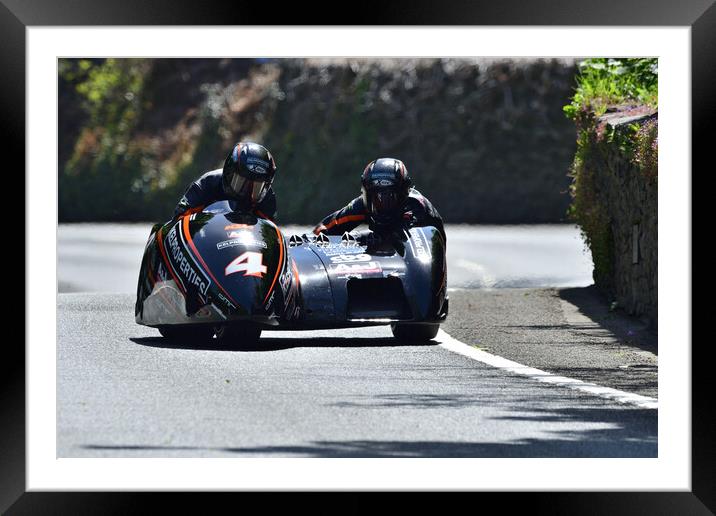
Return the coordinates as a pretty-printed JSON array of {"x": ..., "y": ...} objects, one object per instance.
[
  {"x": 547, "y": 422},
  {"x": 592, "y": 428},
  {"x": 628, "y": 329},
  {"x": 276, "y": 344},
  {"x": 529, "y": 448},
  {"x": 623, "y": 433}
]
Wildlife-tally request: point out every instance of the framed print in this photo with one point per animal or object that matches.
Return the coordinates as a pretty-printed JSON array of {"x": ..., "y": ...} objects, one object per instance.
[{"x": 249, "y": 138}]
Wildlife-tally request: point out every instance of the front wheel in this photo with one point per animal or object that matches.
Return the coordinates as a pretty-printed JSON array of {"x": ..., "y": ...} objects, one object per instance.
[
  {"x": 238, "y": 335},
  {"x": 414, "y": 333}
]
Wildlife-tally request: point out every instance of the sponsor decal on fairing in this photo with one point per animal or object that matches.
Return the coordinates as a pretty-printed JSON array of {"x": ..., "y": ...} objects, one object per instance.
[
  {"x": 419, "y": 245},
  {"x": 355, "y": 268},
  {"x": 269, "y": 303},
  {"x": 335, "y": 249},
  {"x": 289, "y": 285},
  {"x": 240, "y": 238},
  {"x": 351, "y": 258},
  {"x": 188, "y": 271},
  {"x": 224, "y": 300},
  {"x": 285, "y": 281}
]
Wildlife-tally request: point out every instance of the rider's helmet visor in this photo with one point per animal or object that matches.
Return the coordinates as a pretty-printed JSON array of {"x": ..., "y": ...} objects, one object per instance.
[
  {"x": 250, "y": 190},
  {"x": 385, "y": 201}
]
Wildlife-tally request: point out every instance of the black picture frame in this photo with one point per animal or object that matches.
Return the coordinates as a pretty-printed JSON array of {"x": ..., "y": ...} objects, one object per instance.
[{"x": 700, "y": 15}]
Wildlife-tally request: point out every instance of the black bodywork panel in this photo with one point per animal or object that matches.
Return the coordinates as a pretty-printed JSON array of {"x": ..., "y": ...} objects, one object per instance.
[{"x": 219, "y": 266}]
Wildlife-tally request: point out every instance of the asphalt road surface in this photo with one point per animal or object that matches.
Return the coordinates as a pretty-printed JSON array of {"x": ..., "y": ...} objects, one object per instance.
[{"x": 124, "y": 391}]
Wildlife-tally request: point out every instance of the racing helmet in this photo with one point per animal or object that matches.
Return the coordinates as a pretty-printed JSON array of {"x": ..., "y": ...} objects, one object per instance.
[
  {"x": 385, "y": 184},
  {"x": 248, "y": 172}
]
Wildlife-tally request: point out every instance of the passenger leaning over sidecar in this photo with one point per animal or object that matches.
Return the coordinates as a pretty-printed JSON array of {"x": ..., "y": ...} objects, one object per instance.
[{"x": 387, "y": 201}]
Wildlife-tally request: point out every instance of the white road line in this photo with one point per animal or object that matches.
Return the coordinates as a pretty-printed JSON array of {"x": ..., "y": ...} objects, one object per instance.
[{"x": 451, "y": 344}]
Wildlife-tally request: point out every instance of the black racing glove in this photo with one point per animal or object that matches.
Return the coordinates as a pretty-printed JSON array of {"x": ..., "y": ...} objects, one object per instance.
[{"x": 180, "y": 209}]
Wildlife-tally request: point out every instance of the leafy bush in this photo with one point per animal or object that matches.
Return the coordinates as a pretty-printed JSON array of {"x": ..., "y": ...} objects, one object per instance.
[
  {"x": 105, "y": 168},
  {"x": 586, "y": 210},
  {"x": 602, "y": 82}
]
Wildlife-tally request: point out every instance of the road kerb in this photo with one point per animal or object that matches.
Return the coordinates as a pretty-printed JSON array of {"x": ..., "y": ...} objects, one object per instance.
[{"x": 448, "y": 342}]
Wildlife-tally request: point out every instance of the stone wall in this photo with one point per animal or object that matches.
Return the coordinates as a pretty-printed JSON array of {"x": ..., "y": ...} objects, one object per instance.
[{"x": 630, "y": 198}]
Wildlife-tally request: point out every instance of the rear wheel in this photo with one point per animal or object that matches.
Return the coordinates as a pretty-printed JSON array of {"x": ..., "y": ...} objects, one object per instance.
[
  {"x": 414, "y": 333},
  {"x": 186, "y": 333},
  {"x": 238, "y": 335}
]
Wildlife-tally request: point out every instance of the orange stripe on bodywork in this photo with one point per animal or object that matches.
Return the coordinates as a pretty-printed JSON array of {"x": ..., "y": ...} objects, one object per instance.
[
  {"x": 166, "y": 261},
  {"x": 280, "y": 263},
  {"x": 195, "y": 209},
  {"x": 343, "y": 220},
  {"x": 185, "y": 225}
]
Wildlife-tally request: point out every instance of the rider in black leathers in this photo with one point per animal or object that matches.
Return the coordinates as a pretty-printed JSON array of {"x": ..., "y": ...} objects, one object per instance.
[
  {"x": 246, "y": 179},
  {"x": 387, "y": 202}
]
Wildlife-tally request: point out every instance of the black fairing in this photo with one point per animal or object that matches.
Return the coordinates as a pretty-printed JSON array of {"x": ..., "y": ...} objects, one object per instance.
[
  {"x": 397, "y": 278},
  {"x": 225, "y": 265},
  {"x": 218, "y": 266}
]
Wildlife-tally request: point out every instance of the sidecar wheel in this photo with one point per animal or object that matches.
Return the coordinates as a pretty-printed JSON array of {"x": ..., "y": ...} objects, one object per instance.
[
  {"x": 414, "y": 333},
  {"x": 238, "y": 335}
]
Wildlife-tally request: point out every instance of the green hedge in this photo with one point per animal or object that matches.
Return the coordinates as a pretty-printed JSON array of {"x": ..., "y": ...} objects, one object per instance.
[{"x": 609, "y": 86}]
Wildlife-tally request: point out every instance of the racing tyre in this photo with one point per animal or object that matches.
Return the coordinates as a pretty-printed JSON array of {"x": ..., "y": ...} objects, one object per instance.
[
  {"x": 187, "y": 334},
  {"x": 238, "y": 336},
  {"x": 408, "y": 333}
]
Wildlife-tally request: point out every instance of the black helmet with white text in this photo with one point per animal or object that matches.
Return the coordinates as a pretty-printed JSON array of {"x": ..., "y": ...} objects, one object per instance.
[
  {"x": 385, "y": 185},
  {"x": 248, "y": 172}
]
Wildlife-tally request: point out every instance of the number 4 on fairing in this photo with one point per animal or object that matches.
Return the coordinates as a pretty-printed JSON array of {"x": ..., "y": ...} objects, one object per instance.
[{"x": 249, "y": 262}]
